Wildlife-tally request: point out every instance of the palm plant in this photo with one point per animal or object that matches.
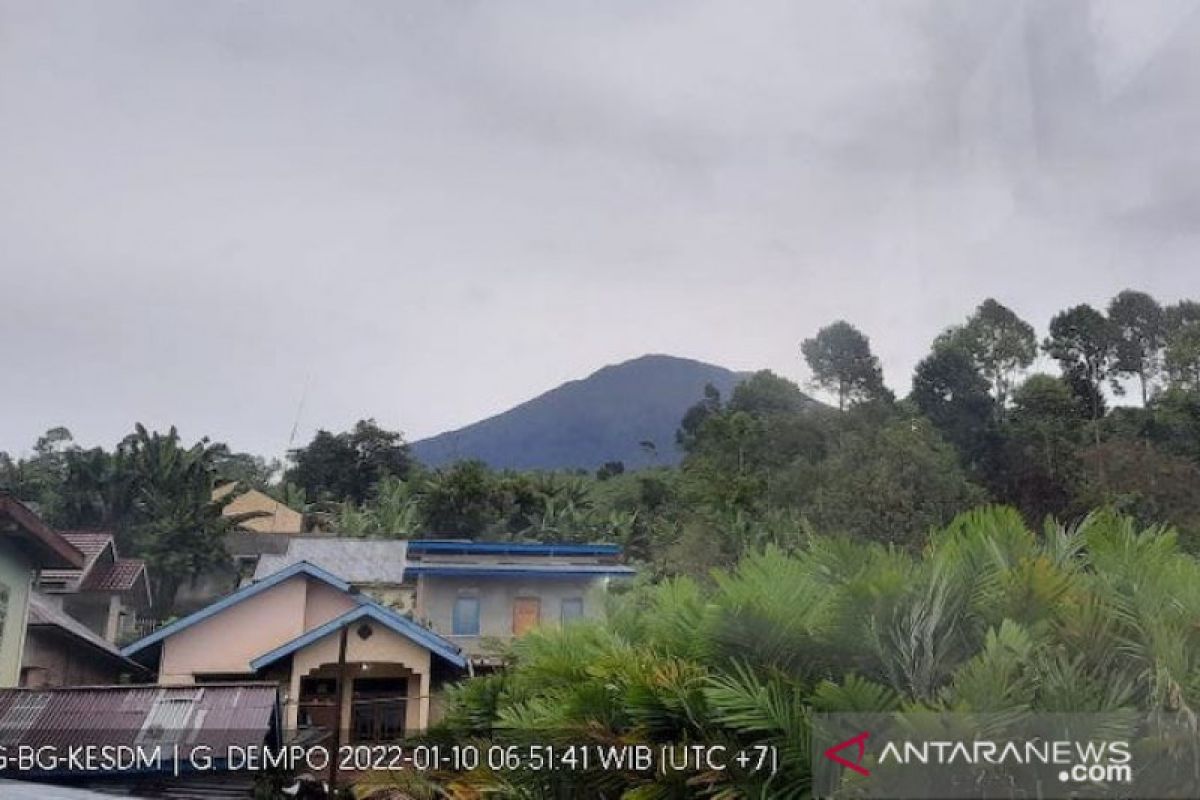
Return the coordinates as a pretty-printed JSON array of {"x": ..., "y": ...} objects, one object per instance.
[{"x": 990, "y": 619}]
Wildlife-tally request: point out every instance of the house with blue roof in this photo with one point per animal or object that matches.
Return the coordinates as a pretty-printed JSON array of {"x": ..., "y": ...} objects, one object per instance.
[{"x": 362, "y": 635}]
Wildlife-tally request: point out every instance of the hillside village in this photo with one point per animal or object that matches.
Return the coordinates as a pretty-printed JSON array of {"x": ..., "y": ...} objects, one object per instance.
[{"x": 361, "y": 596}]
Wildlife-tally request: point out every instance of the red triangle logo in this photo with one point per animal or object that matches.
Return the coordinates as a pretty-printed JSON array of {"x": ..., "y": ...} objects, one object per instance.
[{"x": 860, "y": 742}]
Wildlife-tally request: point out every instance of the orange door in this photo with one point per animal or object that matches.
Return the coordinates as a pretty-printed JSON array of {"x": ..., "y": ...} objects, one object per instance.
[{"x": 527, "y": 612}]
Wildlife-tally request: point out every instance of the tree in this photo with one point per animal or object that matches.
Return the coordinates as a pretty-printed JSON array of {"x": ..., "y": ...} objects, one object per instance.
[
  {"x": 1084, "y": 343},
  {"x": 1040, "y": 461},
  {"x": 1139, "y": 325},
  {"x": 890, "y": 484},
  {"x": 694, "y": 418},
  {"x": 460, "y": 500},
  {"x": 841, "y": 361},
  {"x": 1144, "y": 482},
  {"x": 1181, "y": 314},
  {"x": 951, "y": 392},
  {"x": 38, "y": 479},
  {"x": 1000, "y": 344},
  {"x": 344, "y": 466},
  {"x": 1182, "y": 361}
]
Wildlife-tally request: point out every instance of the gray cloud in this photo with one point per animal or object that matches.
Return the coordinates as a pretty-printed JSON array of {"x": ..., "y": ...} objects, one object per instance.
[{"x": 428, "y": 212}]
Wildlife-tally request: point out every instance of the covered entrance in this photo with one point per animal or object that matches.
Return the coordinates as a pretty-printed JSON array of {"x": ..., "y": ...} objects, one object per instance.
[{"x": 376, "y": 707}]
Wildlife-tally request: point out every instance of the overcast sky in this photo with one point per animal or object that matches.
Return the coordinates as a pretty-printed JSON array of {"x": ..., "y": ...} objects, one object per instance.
[{"x": 227, "y": 214}]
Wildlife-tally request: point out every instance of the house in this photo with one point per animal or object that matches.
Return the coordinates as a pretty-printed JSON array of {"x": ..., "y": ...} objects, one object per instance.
[
  {"x": 275, "y": 517},
  {"x": 207, "y": 720},
  {"x": 27, "y": 545},
  {"x": 375, "y": 627},
  {"x": 478, "y": 593},
  {"x": 62, "y": 651},
  {"x": 108, "y": 593},
  {"x": 328, "y": 645},
  {"x": 475, "y": 594}
]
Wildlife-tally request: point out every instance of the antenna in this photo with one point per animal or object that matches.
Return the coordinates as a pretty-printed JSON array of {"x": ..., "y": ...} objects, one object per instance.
[{"x": 299, "y": 411}]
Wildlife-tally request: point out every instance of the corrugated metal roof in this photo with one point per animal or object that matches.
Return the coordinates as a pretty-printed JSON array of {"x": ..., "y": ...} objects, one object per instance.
[
  {"x": 213, "y": 715},
  {"x": 487, "y": 570},
  {"x": 43, "y": 612},
  {"x": 122, "y": 576},
  {"x": 359, "y": 561},
  {"x": 468, "y": 547},
  {"x": 90, "y": 542}
]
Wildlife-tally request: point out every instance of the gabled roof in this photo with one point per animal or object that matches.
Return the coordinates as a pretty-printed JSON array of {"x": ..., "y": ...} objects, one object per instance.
[
  {"x": 92, "y": 543},
  {"x": 113, "y": 575},
  {"x": 368, "y": 611},
  {"x": 244, "y": 593},
  {"x": 49, "y": 549},
  {"x": 44, "y": 614}
]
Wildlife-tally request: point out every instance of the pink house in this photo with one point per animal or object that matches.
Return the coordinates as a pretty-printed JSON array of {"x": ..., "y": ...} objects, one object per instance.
[{"x": 315, "y": 635}]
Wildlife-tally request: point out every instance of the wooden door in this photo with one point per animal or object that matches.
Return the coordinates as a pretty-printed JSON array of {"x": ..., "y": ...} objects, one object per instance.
[{"x": 527, "y": 613}]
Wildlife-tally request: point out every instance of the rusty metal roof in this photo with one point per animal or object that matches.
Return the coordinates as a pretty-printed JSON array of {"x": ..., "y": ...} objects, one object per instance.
[
  {"x": 90, "y": 542},
  {"x": 211, "y": 715},
  {"x": 121, "y": 576}
]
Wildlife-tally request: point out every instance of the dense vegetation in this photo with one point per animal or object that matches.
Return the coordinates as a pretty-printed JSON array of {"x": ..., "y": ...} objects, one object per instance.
[
  {"x": 761, "y": 466},
  {"x": 989, "y": 616},
  {"x": 801, "y": 558}
]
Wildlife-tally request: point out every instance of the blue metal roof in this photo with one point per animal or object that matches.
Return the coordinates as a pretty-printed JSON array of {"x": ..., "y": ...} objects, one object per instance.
[
  {"x": 377, "y": 613},
  {"x": 245, "y": 593},
  {"x": 524, "y": 570},
  {"x": 511, "y": 548}
]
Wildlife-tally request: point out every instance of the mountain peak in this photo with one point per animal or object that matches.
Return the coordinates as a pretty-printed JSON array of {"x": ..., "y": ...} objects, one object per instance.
[{"x": 587, "y": 422}]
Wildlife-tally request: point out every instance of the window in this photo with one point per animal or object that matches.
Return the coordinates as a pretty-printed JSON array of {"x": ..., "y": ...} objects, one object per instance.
[
  {"x": 572, "y": 609},
  {"x": 170, "y": 716},
  {"x": 466, "y": 617}
]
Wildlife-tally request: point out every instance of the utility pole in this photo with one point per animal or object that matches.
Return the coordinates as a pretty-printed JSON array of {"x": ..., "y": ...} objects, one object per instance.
[{"x": 342, "y": 683}]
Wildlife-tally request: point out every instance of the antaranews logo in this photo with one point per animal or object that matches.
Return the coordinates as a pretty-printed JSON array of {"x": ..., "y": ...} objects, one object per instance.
[
  {"x": 859, "y": 742},
  {"x": 932, "y": 755}
]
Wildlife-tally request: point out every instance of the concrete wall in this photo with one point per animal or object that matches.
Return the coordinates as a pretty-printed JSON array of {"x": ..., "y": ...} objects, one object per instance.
[
  {"x": 15, "y": 576},
  {"x": 385, "y": 653},
  {"x": 436, "y": 596},
  {"x": 228, "y": 641}
]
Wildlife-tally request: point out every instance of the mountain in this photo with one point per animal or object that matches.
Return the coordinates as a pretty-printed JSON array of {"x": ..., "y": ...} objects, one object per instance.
[{"x": 584, "y": 423}]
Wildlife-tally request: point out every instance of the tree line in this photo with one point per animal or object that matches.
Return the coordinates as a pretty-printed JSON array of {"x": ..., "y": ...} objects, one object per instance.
[{"x": 764, "y": 466}]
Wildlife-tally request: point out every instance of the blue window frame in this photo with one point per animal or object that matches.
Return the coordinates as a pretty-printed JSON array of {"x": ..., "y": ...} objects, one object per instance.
[
  {"x": 572, "y": 609},
  {"x": 466, "y": 617}
]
